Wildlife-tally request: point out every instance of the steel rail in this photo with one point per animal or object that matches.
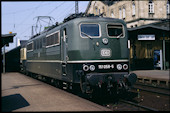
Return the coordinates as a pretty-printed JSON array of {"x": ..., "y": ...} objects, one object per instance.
[
  {"x": 137, "y": 105},
  {"x": 166, "y": 94},
  {"x": 137, "y": 86},
  {"x": 159, "y": 87}
]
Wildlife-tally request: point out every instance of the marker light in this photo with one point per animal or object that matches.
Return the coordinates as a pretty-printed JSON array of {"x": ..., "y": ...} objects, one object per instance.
[
  {"x": 125, "y": 66},
  {"x": 92, "y": 67},
  {"x": 105, "y": 41},
  {"x": 85, "y": 67},
  {"x": 119, "y": 66}
]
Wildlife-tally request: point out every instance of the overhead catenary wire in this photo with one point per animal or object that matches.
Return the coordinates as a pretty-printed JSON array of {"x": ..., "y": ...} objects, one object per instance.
[
  {"x": 14, "y": 21},
  {"x": 25, "y": 30},
  {"x": 31, "y": 13},
  {"x": 22, "y": 25},
  {"x": 66, "y": 14},
  {"x": 55, "y": 8},
  {"x": 62, "y": 14},
  {"x": 24, "y": 10},
  {"x": 37, "y": 8},
  {"x": 18, "y": 24},
  {"x": 27, "y": 18}
]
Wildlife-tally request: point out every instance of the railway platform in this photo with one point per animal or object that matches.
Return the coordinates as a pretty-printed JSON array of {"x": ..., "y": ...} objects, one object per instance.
[
  {"x": 22, "y": 93},
  {"x": 159, "y": 77}
]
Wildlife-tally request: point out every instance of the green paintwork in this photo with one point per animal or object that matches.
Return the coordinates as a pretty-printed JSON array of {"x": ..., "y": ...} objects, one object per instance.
[{"x": 76, "y": 48}]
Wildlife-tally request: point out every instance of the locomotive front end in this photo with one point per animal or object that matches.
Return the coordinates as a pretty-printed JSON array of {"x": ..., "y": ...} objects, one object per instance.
[
  {"x": 113, "y": 76},
  {"x": 103, "y": 55}
]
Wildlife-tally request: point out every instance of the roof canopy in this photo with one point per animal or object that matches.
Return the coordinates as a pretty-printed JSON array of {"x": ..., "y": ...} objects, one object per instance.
[
  {"x": 7, "y": 38},
  {"x": 148, "y": 30}
]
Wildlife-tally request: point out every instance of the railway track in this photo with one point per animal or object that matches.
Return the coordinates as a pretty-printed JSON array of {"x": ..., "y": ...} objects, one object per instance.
[
  {"x": 123, "y": 104},
  {"x": 128, "y": 102},
  {"x": 145, "y": 102},
  {"x": 155, "y": 97},
  {"x": 139, "y": 106},
  {"x": 153, "y": 85},
  {"x": 152, "y": 89},
  {"x": 149, "y": 98}
]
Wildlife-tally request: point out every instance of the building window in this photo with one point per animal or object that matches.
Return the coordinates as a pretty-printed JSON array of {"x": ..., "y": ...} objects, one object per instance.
[
  {"x": 120, "y": 13},
  {"x": 99, "y": 11},
  {"x": 103, "y": 9},
  {"x": 124, "y": 13},
  {"x": 96, "y": 10},
  {"x": 151, "y": 7},
  {"x": 167, "y": 6},
  {"x": 133, "y": 9},
  {"x": 112, "y": 14}
]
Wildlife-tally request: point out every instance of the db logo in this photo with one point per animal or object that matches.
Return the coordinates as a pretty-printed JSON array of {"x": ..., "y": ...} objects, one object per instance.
[{"x": 105, "y": 52}]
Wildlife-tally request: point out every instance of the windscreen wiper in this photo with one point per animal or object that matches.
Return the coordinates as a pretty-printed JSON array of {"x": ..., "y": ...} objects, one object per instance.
[
  {"x": 87, "y": 35},
  {"x": 119, "y": 35}
]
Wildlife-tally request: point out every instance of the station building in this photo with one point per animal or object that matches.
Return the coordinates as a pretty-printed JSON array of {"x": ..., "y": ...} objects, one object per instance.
[
  {"x": 150, "y": 46},
  {"x": 148, "y": 27}
]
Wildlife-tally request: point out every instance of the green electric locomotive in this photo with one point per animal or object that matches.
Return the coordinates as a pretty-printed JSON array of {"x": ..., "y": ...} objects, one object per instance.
[{"x": 91, "y": 52}]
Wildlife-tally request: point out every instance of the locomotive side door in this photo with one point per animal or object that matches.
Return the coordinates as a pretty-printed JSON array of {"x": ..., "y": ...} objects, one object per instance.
[{"x": 64, "y": 50}]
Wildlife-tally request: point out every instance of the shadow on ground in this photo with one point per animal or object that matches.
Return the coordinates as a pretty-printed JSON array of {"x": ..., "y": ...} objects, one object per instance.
[
  {"x": 19, "y": 86},
  {"x": 13, "y": 102}
]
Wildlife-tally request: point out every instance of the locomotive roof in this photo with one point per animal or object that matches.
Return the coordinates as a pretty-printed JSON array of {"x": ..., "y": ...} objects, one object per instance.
[
  {"x": 79, "y": 19},
  {"x": 96, "y": 19}
]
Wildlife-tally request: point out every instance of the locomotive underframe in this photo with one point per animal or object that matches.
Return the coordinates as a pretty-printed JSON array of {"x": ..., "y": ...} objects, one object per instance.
[{"x": 73, "y": 73}]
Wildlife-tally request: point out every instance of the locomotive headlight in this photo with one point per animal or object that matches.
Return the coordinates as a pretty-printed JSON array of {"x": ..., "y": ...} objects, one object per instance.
[
  {"x": 105, "y": 41},
  {"x": 85, "y": 67},
  {"x": 119, "y": 66},
  {"x": 125, "y": 66},
  {"x": 97, "y": 43},
  {"x": 92, "y": 67}
]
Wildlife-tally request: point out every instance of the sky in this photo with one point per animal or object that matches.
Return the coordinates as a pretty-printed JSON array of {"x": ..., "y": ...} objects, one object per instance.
[{"x": 19, "y": 17}]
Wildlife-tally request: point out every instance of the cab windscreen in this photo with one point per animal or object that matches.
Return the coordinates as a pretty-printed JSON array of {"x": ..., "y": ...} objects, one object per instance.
[{"x": 91, "y": 30}]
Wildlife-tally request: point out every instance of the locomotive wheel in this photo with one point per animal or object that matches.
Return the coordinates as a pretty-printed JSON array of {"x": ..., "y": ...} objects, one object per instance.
[
  {"x": 30, "y": 74},
  {"x": 26, "y": 73},
  {"x": 48, "y": 80},
  {"x": 58, "y": 84}
]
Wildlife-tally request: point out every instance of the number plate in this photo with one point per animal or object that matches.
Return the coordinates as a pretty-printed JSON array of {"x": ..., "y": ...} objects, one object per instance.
[
  {"x": 105, "y": 52},
  {"x": 107, "y": 66}
]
